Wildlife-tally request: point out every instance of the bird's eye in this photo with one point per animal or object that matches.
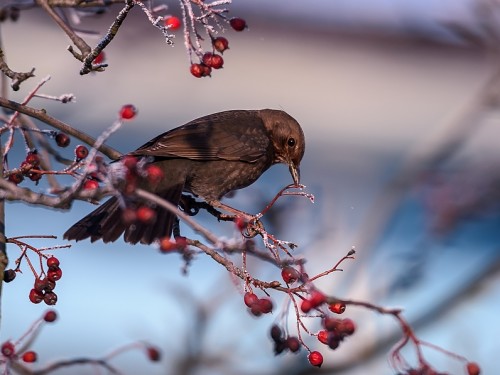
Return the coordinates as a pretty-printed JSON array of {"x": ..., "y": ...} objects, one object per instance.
[{"x": 291, "y": 142}]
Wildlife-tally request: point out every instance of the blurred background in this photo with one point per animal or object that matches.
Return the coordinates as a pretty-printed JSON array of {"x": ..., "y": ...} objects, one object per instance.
[{"x": 399, "y": 104}]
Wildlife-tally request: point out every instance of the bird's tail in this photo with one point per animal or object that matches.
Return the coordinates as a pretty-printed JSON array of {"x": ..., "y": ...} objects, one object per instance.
[{"x": 106, "y": 222}]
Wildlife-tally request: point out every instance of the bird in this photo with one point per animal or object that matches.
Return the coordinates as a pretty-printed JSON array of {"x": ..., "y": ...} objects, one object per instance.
[{"x": 208, "y": 158}]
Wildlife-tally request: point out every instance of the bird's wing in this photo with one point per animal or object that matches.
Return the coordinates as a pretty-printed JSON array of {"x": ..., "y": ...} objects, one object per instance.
[{"x": 232, "y": 135}]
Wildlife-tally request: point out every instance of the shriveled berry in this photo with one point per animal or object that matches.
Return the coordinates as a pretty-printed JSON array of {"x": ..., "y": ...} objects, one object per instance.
[
  {"x": 36, "y": 296},
  {"x": 90, "y": 184},
  {"x": 173, "y": 23},
  {"x": 220, "y": 44},
  {"x": 333, "y": 340},
  {"x": 54, "y": 275},
  {"x": 129, "y": 161},
  {"x": 290, "y": 275},
  {"x": 9, "y": 275},
  {"x": 206, "y": 70},
  {"x": 8, "y": 349},
  {"x": 16, "y": 178},
  {"x": 50, "y": 316},
  {"x": 250, "y": 299},
  {"x": 238, "y": 24},
  {"x": 306, "y": 305},
  {"x": 337, "y": 307},
  {"x": 62, "y": 140},
  {"x": 50, "y": 298},
  {"x": 473, "y": 368},
  {"x": 276, "y": 333},
  {"x": 315, "y": 358},
  {"x": 35, "y": 177},
  {"x": 293, "y": 344},
  {"x": 153, "y": 353},
  {"x": 81, "y": 152},
  {"x": 29, "y": 356},
  {"x": 145, "y": 214},
  {"x": 40, "y": 284},
  {"x": 128, "y": 112}
]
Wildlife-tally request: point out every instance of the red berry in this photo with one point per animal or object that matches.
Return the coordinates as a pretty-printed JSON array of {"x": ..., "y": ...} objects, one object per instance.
[
  {"x": 317, "y": 298},
  {"x": 81, "y": 152},
  {"x": 293, "y": 344},
  {"x": 29, "y": 356},
  {"x": 145, "y": 214},
  {"x": 8, "y": 349},
  {"x": 99, "y": 59},
  {"x": 315, "y": 358},
  {"x": 16, "y": 178},
  {"x": 90, "y": 185},
  {"x": 337, "y": 307},
  {"x": 330, "y": 323},
  {"x": 173, "y": 22},
  {"x": 212, "y": 60},
  {"x": 181, "y": 242},
  {"x": 250, "y": 299},
  {"x": 166, "y": 245},
  {"x": 128, "y": 112},
  {"x": 197, "y": 70},
  {"x": 206, "y": 70},
  {"x": 323, "y": 336},
  {"x": 290, "y": 275},
  {"x": 154, "y": 173},
  {"x": 54, "y": 275},
  {"x": 306, "y": 305},
  {"x": 265, "y": 305},
  {"x": 9, "y": 275},
  {"x": 238, "y": 24},
  {"x": 36, "y": 296},
  {"x": 347, "y": 327},
  {"x": 50, "y": 316},
  {"x": 220, "y": 44},
  {"x": 240, "y": 223},
  {"x": 153, "y": 354},
  {"x": 473, "y": 368},
  {"x": 33, "y": 159},
  {"x": 50, "y": 298},
  {"x": 33, "y": 176},
  {"x": 62, "y": 140},
  {"x": 216, "y": 61}
]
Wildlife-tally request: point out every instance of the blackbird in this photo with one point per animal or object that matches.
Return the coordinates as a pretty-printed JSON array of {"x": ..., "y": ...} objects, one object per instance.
[{"x": 207, "y": 157}]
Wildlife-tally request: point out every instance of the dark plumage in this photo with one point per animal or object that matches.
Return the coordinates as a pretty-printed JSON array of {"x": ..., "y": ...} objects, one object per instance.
[{"x": 208, "y": 157}]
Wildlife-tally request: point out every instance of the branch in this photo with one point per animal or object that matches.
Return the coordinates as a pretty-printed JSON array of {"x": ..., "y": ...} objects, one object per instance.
[{"x": 41, "y": 114}]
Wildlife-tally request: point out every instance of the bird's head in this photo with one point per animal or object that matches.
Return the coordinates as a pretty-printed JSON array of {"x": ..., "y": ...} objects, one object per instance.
[{"x": 287, "y": 139}]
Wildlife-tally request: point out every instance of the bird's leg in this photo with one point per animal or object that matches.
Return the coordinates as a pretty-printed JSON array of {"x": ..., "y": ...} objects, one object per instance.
[{"x": 253, "y": 224}]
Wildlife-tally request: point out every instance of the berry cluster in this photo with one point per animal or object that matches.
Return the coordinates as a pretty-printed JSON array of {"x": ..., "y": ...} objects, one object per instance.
[
  {"x": 257, "y": 306},
  {"x": 29, "y": 168},
  {"x": 472, "y": 368},
  {"x": 43, "y": 289},
  {"x": 212, "y": 60},
  {"x": 14, "y": 351},
  {"x": 282, "y": 343},
  {"x": 136, "y": 170}
]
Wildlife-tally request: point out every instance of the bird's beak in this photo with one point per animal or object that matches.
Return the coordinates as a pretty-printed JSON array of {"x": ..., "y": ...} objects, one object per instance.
[{"x": 295, "y": 172}]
